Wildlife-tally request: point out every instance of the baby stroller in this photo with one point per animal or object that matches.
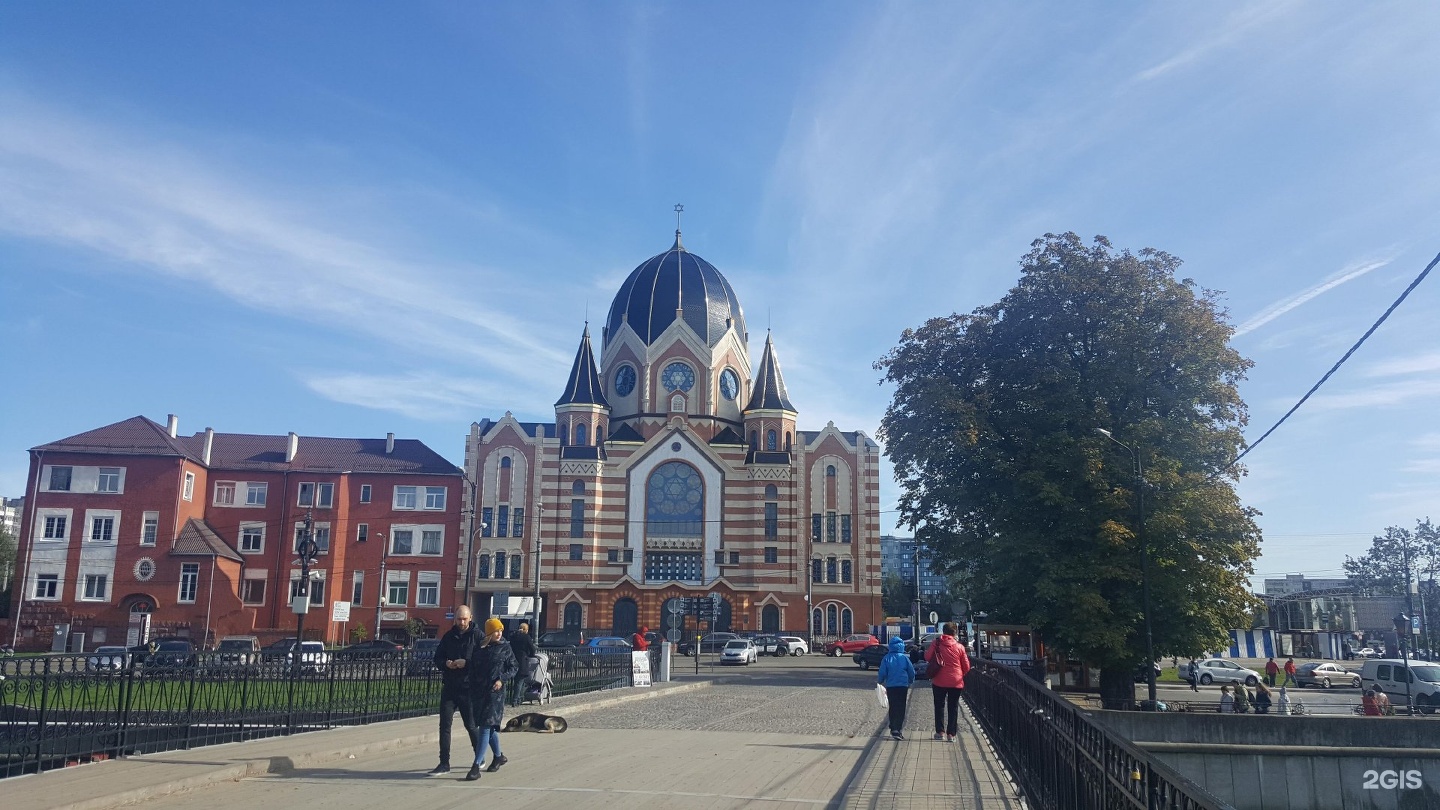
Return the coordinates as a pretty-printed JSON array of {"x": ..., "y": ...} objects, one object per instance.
[{"x": 538, "y": 685}]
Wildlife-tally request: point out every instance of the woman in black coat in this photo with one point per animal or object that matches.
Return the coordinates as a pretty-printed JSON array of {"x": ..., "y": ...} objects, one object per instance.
[{"x": 492, "y": 663}]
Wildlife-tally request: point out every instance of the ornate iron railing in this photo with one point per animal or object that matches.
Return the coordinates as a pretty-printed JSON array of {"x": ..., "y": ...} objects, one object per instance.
[
  {"x": 1063, "y": 760},
  {"x": 61, "y": 709}
]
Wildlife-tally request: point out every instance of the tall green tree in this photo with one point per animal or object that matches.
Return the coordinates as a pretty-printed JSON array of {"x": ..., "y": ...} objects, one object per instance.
[
  {"x": 8, "y": 571},
  {"x": 992, "y": 430},
  {"x": 896, "y": 595},
  {"x": 1383, "y": 569}
]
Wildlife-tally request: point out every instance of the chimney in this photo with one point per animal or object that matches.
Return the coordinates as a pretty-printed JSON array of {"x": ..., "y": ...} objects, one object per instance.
[
  {"x": 292, "y": 447},
  {"x": 209, "y": 443},
  {"x": 172, "y": 425},
  {"x": 389, "y": 443}
]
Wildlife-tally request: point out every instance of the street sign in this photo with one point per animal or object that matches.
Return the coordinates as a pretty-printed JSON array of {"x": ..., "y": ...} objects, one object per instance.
[
  {"x": 449, "y": 615},
  {"x": 934, "y": 617},
  {"x": 1414, "y": 624},
  {"x": 340, "y": 611},
  {"x": 679, "y": 606}
]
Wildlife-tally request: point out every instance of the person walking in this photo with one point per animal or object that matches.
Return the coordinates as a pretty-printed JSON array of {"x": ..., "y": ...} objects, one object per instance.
[
  {"x": 896, "y": 674},
  {"x": 1227, "y": 701},
  {"x": 524, "y": 649},
  {"x": 1290, "y": 673},
  {"x": 1272, "y": 670},
  {"x": 947, "y": 664},
  {"x": 492, "y": 663},
  {"x": 1194, "y": 669},
  {"x": 452, "y": 655}
]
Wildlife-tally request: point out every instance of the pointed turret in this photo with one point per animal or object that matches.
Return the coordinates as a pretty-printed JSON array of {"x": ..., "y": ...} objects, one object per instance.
[
  {"x": 584, "y": 386},
  {"x": 582, "y": 413},
  {"x": 769, "y": 391}
]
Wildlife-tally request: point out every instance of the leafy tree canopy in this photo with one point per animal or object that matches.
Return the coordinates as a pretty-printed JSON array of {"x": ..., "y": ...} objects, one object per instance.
[
  {"x": 992, "y": 430},
  {"x": 1383, "y": 568}
]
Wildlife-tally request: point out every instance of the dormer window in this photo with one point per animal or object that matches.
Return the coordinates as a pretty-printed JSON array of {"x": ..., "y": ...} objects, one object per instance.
[{"x": 677, "y": 404}]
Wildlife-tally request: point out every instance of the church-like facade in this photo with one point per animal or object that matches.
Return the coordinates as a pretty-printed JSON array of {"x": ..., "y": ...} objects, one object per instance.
[{"x": 674, "y": 468}]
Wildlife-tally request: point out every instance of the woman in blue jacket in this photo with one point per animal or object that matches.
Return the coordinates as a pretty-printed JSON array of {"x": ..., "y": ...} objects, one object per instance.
[{"x": 896, "y": 675}]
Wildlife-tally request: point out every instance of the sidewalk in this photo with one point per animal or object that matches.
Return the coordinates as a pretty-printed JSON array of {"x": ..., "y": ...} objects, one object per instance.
[{"x": 916, "y": 773}]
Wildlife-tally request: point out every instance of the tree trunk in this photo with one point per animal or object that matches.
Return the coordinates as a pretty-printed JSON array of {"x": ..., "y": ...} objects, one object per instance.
[{"x": 1117, "y": 688}]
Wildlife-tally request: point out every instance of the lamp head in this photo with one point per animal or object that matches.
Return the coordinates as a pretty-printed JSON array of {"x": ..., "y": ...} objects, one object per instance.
[{"x": 1103, "y": 432}]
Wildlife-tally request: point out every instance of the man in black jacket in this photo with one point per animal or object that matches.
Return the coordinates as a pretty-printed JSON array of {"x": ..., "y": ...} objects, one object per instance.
[
  {"x": 451, "y": 657},
  {"x": 524, "y": 648}
]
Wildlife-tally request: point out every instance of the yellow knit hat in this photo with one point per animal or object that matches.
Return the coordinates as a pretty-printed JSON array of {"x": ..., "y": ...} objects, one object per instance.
[{"x": 493, "y": 625}]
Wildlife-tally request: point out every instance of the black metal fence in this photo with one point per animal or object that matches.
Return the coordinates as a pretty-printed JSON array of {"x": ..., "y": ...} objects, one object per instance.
[
  {"x": 61, "y": 709},
  {"x": 1062, "y": 759}
]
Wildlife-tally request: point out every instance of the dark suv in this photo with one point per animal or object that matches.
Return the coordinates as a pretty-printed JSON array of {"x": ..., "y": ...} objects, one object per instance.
[
  {"x": 560, "y": 640},
  {"x": 710, "y": 644}
]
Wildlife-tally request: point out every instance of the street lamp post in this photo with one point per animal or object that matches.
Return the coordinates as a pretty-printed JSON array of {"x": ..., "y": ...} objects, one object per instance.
[
  {"x": 1402, "y": 629},
  {"x": 383, "y": 585},
  {"x": 1144, "y": 560},
  {"x": 307, "y": 550}
]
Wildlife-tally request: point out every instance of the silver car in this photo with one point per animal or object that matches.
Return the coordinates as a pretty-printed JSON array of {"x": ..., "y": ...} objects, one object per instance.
[
  {"x": 1218, "y": 670},
  {"x": 108, "y": 659},
  {"x": 740, "y": 651}
]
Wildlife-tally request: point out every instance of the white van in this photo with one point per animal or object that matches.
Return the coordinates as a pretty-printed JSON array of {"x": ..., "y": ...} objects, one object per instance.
[{"x": 1388, "y": 675}]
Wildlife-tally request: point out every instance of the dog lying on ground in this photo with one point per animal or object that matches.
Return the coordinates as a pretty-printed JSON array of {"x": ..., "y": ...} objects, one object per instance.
[{"x": 534, "y": 721}]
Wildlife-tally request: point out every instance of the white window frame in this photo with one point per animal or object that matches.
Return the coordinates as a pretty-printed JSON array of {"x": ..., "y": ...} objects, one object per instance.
[
  {"x": 316, "y": 576},
  {"x": 440, "y": 549},
  {"x": 50, "y": 477},
  {"x": 317, "y": 527},
  {"x": 87, "y": 592},
  {"x": 324, "y": 495},
  {"x": 225, "y": 493},
  {"x": 435, "y": 498},
  {"x": 189, "y": 574},
  {"x": 246, "y": 528},
  {"x": 188, "y": 492},
  {"x": 255, "y": 576},
  {"x": 365, "y": 493},
  {"x": 410, "y": 495},
  {"x": 118, "y": 475},
  {"x": 417, "y": 539},
  {"x": 256, "y": 493},
  {"x": 43, "y": 524},
  {"x": 92, "y": 520},
  {"x": 54, "y": 591},
  {"x": 423, "y": 582},
  {"x": 357, "y": 588},
  {"x": 149, "y": 525},
  {"x": 397, "y": 578}
]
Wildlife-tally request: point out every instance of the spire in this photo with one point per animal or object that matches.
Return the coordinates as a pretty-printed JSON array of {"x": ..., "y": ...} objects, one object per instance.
[
  {"x": 769, "y": 393},
  {"x": 679, "y": 209},
  {"x": 584, "y": 386}
]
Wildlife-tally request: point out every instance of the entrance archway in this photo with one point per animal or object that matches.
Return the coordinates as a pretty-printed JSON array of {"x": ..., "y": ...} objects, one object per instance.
[
  {"x": 770, "y": 619},
  {"x": 625, "y": 618},
  {"x": 572, "y": 616}
]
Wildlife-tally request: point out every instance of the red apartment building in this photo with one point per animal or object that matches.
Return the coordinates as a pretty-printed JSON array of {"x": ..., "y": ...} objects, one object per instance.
[{"x": 200, "y": 533}]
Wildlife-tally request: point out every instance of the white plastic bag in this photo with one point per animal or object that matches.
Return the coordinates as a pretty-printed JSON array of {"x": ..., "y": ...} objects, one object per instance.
[{"x": 882, "y": 696}]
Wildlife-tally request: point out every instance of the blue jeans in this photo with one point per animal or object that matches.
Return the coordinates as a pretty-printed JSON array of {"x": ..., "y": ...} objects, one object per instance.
[{"x": 489, "y": 737}]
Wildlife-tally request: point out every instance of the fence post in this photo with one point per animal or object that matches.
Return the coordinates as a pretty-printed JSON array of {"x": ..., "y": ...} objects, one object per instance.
[
  {"x": 40, "y": 725},
  {"x": 127, "y": 693}
]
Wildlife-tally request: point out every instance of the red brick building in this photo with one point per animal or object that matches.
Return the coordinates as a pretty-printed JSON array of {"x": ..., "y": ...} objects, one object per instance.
[
  {"x": 200, "y": 533},
  {"x": 673, "y": 469}
]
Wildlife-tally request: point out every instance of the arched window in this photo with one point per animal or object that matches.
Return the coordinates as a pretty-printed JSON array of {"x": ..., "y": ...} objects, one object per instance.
[
  {"x": 500, "y": 565},
  {"x": 564, "y": 434},
  {"x": 830, "y": 570},
  {"x": 770, "y": 443},
  {"x": 845, "y": 571},
  {"x": 832, "y": 620},
  {"x": 572, "y": 616},
  {"x": 754, "y": 440},
  {"x": 504, "y": 462},
  {"x": 675, "y": 501},
  {"x": 577, "y": 488},
  {"x": 482, "y": 567},
  {"x": 582, "y": 438},
  {"x": 625, "y": 617},
  {"x": 817, "y": 622},
  {"x": 787, "y": 441},
  {"x": 514, "y": 566},
  {"x": 770, "y": 619},
  {"x": 771, "y": 492},
  {"x": 830, "y": 471},
  {"x": 847, "y": 622},
  {"x": 815, "y": 570}
]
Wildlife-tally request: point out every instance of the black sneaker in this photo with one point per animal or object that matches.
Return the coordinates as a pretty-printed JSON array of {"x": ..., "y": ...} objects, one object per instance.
[
  {"x": 497, "y": 762},
  {"x": 442, "y": 768},
  {"x": 474, "y": 773},
  {"x": 895, "y": 735}
]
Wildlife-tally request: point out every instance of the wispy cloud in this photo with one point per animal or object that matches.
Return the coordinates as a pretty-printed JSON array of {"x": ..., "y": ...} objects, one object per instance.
[
  {"x": 156, "y": 207},
  {"x": 1415, "y": 364},
  {"x": 1226, "y": 32},
  {"x": 419, "y": 395},
  {"x": 1285, "y": 305},
  {"x": 1379, "y": 396}
]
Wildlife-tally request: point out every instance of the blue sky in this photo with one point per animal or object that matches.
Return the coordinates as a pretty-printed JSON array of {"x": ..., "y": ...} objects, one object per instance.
[{"x": 358, "y": 218}]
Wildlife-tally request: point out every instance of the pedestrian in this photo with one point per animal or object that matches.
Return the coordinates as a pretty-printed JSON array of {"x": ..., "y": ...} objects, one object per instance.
[
  {"x": 492, "y": 663},
  {"x": 638, "y": 641},
  {"x": 1262, "y": 699},
  {"x": 1242, "y": 700},
  {"x": 1272, "y": 669},
  {"x": 947, "y": 664},
  {"x": 524, "y": 648},
  {"x": 1369, "y": 706},
  {"x": 1284, "y": 702},
  {"x": 452, "y": 655},
  {"x": 1194, "y": 678},
  {"x": 1290, "y": 673},
  {"x": 896, "y": 675}
]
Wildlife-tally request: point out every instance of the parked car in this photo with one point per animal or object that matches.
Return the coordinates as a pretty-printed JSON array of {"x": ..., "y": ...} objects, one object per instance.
[
  {"x": 869, "y": 658},
  {"x": 422, "y": 657},
  {"x": 1325, "y": 674},
  {"x": 1389, "y": 675},
  {"x": 172, "y": 654},
  {"x": 740, "y": 651},
  {"x": 313, "y": 658},
  {"x": 1218, "y": 670},
  {"x": 710, "y": 644},
  {"x": 278, "y": 651},
  {"x": 850, "y": 644},
  {"x": 375, "y": 649},
  {"x": 1142, "y": 677},
  {"x": 238, "y": 651},
  {"x": 560, "y": 640},
  {"x": 793, "y": 645},
  {"x": 1368, "y": 652},
  {"x": 767, "y": 644},
  {"x": 603, "y": 647},
  {"x": 108, "y": 659}
]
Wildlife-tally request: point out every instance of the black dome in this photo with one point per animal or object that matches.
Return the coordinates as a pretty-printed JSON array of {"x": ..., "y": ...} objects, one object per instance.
[{"x": 675, "y": 279}]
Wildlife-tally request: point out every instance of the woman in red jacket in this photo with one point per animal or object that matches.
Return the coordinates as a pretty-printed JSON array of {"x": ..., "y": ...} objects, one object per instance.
[{"x": 946, "y": 664}]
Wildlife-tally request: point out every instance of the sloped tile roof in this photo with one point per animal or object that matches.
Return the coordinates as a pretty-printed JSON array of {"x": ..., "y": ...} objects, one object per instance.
[
  {"x": 584, "y": 385},
  {"x": 136, "y": 436},
  {"x": 769, "y": 392},
  {"x": 626, "y": 433},
  {"x": 241, "y": 451},
  {"x": 728, "y": 436},
  {"x": 198, "y": 539}
]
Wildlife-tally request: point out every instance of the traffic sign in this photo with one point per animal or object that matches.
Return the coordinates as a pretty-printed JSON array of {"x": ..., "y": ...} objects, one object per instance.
[
  {"x": 1414, "y": 624},
  {"x": 679, "y": 606}
]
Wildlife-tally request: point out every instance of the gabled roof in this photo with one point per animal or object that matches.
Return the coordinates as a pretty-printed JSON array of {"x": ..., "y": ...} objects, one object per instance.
[
  {"x": 197, "y": 539},
  {"x": 728, "y": 436},
  {"x": 626, "y": 433},
  {"x": 584, "y": 385},
  {"x": 769, "y": 393},
  {"x": 240, "y": 451},
  {"x": 136, "y": 436}
]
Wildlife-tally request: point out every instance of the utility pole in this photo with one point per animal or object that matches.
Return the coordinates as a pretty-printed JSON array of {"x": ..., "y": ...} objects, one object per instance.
[
  {"x": 306, "y": 549},
  {"x": 380, "y": 596}
]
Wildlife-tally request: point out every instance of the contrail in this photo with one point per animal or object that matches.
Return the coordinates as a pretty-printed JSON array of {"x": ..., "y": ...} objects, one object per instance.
[{"x": 1279, "y": 308}]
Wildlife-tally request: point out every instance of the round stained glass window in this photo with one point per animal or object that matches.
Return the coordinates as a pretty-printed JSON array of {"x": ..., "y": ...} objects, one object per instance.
[
  {"x": 624, "y": 381},
  {"x": 729, "y": 384},
  {"x": 677, "y": 377},
  {"x": 674, "y": 504},
  {"x": 144, "y": 569}
]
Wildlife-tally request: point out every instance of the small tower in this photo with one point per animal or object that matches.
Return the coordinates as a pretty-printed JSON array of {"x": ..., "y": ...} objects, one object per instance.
[
  {"x": 769, "y": 417},
  {"x": 582, "y": 415}
]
